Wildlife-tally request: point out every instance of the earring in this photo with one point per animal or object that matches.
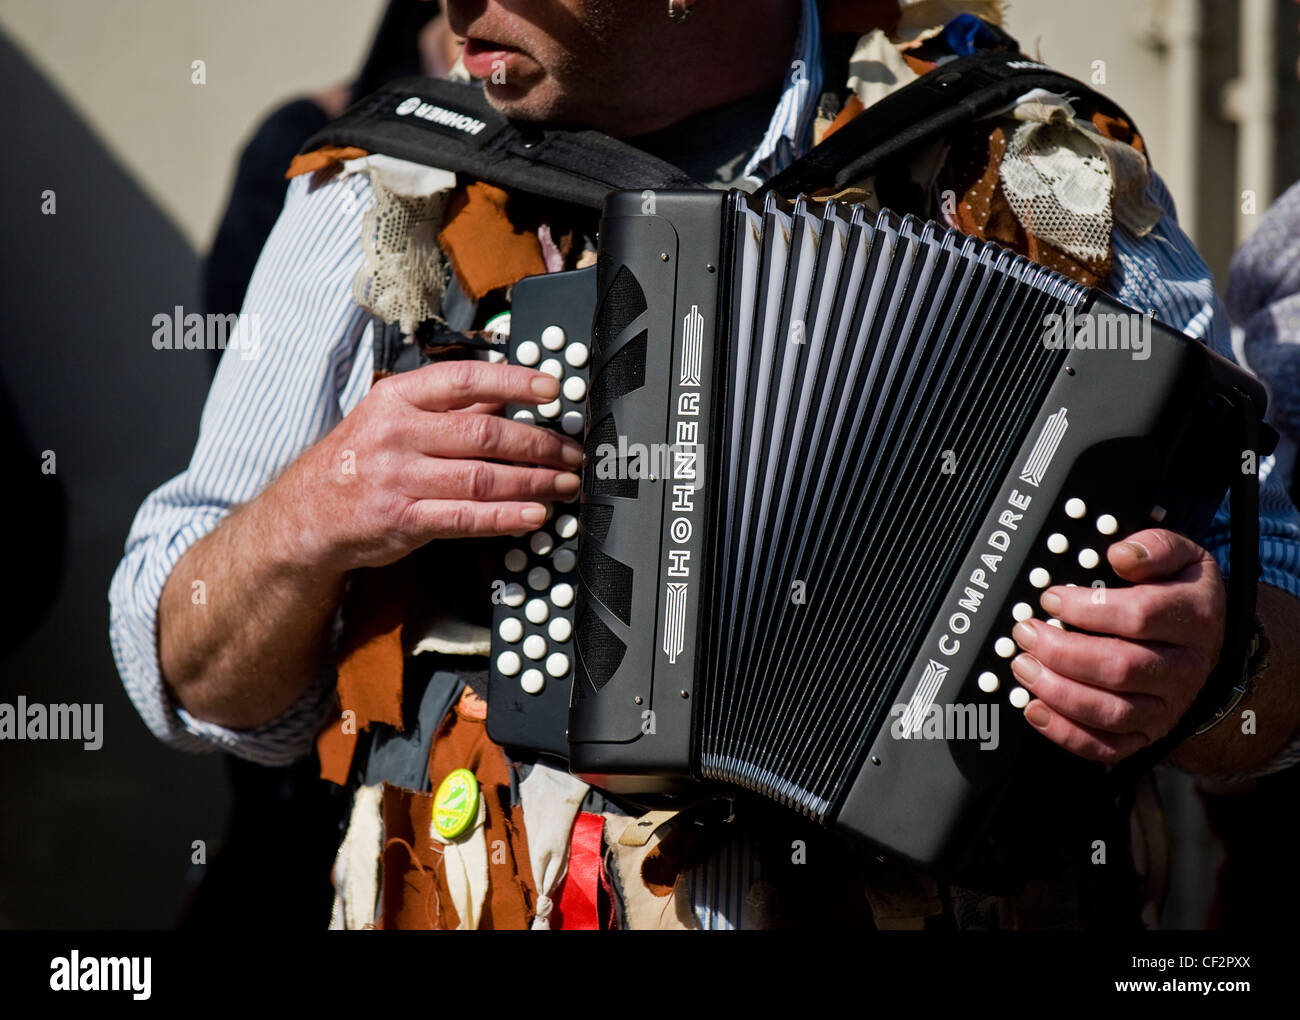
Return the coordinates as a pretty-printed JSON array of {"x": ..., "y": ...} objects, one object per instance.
[{"x": 678, "y": 10}]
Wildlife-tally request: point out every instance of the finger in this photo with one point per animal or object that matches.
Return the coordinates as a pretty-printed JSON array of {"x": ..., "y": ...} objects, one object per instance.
[
  {"x": 452, "y": 385},
  {"x": 488, "y": 436},
  {"x": 1095, "y": 745},
  {"x": 1094, "y": 707},
  {"x": 1155, "y": 555},
  {"x": 463, "y": 518},
  {"x": 1115, "y": 664},
  {"x": 483, "y": 481},
  {"x": 481, "y": 409},
  {"x": 1178, "y": 612}
]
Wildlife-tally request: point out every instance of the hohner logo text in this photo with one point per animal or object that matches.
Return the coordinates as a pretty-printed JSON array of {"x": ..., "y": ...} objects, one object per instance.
[{"x": 684, "y": 483}]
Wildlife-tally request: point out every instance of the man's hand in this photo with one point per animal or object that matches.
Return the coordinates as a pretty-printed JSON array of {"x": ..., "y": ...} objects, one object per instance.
[
  {"x": 1104, "y": 698},
  {"x": 421, "y": 458}
]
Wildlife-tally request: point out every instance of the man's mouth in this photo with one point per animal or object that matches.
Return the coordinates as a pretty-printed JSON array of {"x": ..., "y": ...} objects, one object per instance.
[{"x": 484, "y": 58}]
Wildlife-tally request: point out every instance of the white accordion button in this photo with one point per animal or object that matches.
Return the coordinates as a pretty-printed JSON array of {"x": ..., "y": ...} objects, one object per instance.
[
  {"x": 1058, "y": 543},
  {"x": 532, "y": 681},
  {"x": 552, "y": 367},
  {"x": 988, "y": 682},
  {"x": 1019, "y": 697},
  {"x": 511, "y": 629},
  {"x": 565, "y": 560},
  {"x": 566, "y": 526},
  {"x": 1022, "y": 611},
  {"x": 553, "y": 338},
  {"x": 576, "y": 355},
  {"x": 513, "y": 595},
  {"x": 575, "y": 388},
  {"x": 550, "y": 410},
  {"x": 1107, "y": 524},
  {"x": 1005, "y": 647},
  {"x": 560, "y": 629},
  {"x": 516, "y": 560},
  {"x": 496, "y": 357},
  {"x": 1075, "y": 508},
  {"x": 562, "y": 595},
  {"x": 1039, "y": 577},
  {"x": 1054, "y": 622},
  {"x": 557, "y": 664},
  {"x": 527, "y": 353},
  {"x": 525, "y": 415},
  {"x": 572, "y": 422},
  {"x": 539, "y": 578},
  {"x": 1088, "y": 558},
  {"x": 535, "y": 646},
  {"x": 508, "y": 663},
  {"x": 537, "y": 612},
  {"x": 541, "y": 543}
]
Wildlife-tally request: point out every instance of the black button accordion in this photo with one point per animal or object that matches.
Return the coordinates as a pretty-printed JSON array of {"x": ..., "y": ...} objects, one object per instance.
[{"x": 832, "y": 456}]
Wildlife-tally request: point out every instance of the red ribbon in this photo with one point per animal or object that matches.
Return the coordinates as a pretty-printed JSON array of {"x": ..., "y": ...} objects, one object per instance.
[{"x": 575, "y": 908}]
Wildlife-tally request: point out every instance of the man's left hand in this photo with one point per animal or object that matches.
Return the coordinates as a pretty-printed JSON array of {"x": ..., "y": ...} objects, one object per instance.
[{"x": 1105, "y": 697}]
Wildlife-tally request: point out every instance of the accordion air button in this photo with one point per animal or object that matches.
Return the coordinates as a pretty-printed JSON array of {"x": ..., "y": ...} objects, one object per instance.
[
  {"x": 565, "y": 560},
  {"x": 566, "y": 526},
  {"x": 557, "y": 664},
  {"x": 552, "y": 367},
  {"x": 576, "y": 355},
  {"x": 553, "y": 338},
  {"x": 1088, "y": 558},
  {"x": 575, "y": 388},
  {"x": 989, "y": 682},
  {"x": 1058, "y": 543},
  {"x": 496, "y": 357},
  {"x": 1005, "y": 647},
  {"x": 513, "y": 595},
  {"x": 1107, "y": 524},
  {"x": 560, "y": 629},
  {"x": 541, "y": 543},
  {"x": 1022, "y": 611},
  {"x": 527, "y": 353},
  {"x": 535, "y": 646},
  {"x": 508, "y": 663},
  {"x": 511, "y": 629},
  {"x": 550, "y": 410},
  {"x": 537, "y": 612},
  {"x": 539, "y": 578},
  {"x": 1039, "y": 577},
  {"x": 516, "y": 560},
  {"x": 532, "y": 681},
  {"x": 1054, "y": 622},
  {"x": 562, "y": 595},
  {"x": 525, "y": 415},
  {"x": 1019, "y": 697},
  {"x": 572, "y": 422},
  {"x": 1075, "y": 508}
]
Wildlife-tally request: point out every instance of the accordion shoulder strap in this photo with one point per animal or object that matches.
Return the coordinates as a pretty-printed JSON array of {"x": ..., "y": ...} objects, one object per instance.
[
  {"x": 451, "y": 125},
  {"x": 954, "y": 94}
]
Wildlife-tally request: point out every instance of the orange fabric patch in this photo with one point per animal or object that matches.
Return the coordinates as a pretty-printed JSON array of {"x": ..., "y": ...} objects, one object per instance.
[
  {"x": 851, "y": 109},
  {"x": 486, "y": 249},
  {"x": 370, "y": 671},
  {"x": 335, "y": 749},
  {"x": 322, "y": 158}
]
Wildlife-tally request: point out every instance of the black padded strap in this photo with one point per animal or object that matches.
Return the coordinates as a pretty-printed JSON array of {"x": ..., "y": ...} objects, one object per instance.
[
  {"x": 452, "y": 126},
  {"x": 953, "y": 95}
]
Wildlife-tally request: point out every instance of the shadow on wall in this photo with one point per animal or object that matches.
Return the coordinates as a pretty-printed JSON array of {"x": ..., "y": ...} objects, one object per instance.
[{"x": 89, "y": 838}]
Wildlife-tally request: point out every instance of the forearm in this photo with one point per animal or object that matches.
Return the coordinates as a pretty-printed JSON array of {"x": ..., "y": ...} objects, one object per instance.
[
  {"x": 1233, "y": 746},
  {"x": 244, "y": 616}
]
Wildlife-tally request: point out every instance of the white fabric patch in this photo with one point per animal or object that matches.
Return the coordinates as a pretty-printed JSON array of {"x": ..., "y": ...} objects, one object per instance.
[
  {"x": 356, "y": 866},
  {"x": 551, "y": 800}
]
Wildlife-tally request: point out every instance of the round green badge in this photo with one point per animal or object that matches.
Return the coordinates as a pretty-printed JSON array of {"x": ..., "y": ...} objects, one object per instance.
[{"x": 455, "y": 805}]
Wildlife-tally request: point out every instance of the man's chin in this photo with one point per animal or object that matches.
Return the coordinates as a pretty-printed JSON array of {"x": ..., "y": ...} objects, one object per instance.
[{"x": 527, "y": 101}]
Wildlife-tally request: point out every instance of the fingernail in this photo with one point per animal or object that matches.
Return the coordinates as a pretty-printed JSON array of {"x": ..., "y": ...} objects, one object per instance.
[
  {"x": 1024, "y": 635},
  {"x": 1038, "y": 715},
  {"x": 1051, "y": 603},
  {"x": 534, "y": 515},
  {"x": 571, "y": 454},
  {"x": 1026, "y": 668},
  {"x": 567, "y": 484},
  {"x": 1136, "y": 549},
  {"x": 545, "y": 387}
]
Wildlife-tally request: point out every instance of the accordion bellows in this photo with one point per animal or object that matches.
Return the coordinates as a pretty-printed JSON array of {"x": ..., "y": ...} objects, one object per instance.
[{"x": 832, "y": 456}]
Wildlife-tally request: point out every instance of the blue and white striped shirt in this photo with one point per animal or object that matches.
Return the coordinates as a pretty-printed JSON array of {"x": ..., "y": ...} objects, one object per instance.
[{"x": 314, "y": 366}]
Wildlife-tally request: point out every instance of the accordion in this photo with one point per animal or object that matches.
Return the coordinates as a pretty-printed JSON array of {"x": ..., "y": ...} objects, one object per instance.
[{"x": 832, "y": 456}]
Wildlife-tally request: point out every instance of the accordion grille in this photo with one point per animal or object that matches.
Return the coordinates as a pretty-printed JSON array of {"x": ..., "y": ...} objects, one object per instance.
[
  {"x": 622, "y": 303},
  {"x": 600, "y": 652},
  {"x": 610, "y": 476}
]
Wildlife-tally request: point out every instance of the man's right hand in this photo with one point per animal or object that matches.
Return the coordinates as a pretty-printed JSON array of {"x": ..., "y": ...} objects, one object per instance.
[{"x": 419, "y": 459}]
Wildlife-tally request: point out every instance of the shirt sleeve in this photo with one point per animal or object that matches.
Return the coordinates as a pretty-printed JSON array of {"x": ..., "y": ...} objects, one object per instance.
[
  {"x": 297, "y": 361},
  {"x": 1164, "y": 271}
]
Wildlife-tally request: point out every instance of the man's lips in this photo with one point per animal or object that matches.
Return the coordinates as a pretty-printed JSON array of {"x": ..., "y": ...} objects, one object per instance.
[{"x": 483, "y": 56}]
